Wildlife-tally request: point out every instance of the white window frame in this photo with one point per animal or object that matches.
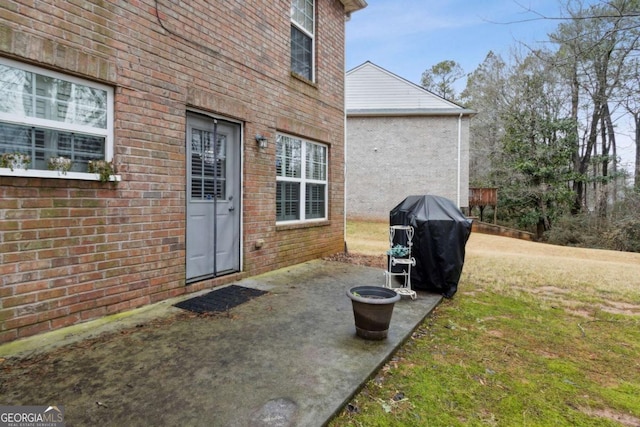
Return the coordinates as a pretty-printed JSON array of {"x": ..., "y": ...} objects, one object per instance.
[
  {"x": 303, "y": 180},
  {"x": 46, "y": 124},
  {"x": 311, "y": 34}
]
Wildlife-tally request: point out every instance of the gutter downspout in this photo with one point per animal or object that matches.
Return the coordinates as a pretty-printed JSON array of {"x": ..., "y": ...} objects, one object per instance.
[
  {"x": 344, "y": 138},
  {"x": 459, "y": 157}
]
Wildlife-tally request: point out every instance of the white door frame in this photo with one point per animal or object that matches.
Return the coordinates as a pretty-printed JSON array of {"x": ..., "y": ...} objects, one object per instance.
[{"x": 239, "y": 177}]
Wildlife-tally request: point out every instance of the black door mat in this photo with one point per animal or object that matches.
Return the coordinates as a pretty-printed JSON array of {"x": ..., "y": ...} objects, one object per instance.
[{"x": 220, "y": 300}]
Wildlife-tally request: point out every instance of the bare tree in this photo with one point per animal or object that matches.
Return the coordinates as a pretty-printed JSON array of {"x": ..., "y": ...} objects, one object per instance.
[
  {"x": 631, "y": 104},
  {"x": 593, "y": 48},
  {"x": 440, "y": 78},
  {"x": 486, "y": 93}
]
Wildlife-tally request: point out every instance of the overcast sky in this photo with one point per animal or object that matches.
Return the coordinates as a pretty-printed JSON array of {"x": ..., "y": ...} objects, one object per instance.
[{"x": 407, "y": 37}]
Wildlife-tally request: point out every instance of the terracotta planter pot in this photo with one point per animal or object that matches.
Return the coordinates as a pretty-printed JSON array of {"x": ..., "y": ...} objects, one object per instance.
[{"x": 372, "y": 310}]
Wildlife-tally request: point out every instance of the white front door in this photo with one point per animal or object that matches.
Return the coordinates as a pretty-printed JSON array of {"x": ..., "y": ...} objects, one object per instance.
[{"x": 213, "y": 197}]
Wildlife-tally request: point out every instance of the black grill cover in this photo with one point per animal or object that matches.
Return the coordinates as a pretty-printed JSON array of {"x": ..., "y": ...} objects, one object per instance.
[{"x": 441, "y": 233}]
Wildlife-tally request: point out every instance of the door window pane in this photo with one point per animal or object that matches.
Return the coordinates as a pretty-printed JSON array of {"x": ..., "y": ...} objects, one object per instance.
[{"x": 208, "y": 167}]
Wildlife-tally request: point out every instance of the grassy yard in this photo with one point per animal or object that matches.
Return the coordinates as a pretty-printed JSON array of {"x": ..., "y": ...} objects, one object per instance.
[{"x": 537, "y": 335}]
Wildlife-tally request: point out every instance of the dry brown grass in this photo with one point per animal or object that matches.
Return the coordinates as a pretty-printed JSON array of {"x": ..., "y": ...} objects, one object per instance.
[{"x": 586, "y": 279}]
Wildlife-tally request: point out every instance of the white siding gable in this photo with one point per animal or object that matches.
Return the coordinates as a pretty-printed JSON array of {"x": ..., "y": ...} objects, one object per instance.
[{"x": 369, "y": 87}]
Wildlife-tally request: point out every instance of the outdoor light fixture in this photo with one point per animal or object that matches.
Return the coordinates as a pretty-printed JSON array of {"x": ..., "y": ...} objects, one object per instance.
[{"x": 262, "y": 141}]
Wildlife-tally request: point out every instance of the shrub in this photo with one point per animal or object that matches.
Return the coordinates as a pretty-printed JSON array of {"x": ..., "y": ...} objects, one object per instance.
[
  {"x": 620, "y": 231},
  {"x": 624, "y": 235}
]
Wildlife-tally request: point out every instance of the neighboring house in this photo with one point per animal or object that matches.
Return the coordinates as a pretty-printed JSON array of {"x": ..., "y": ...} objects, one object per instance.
[
  {"x": 402, "y": 140},
  {"x": 225, "y": 123}
]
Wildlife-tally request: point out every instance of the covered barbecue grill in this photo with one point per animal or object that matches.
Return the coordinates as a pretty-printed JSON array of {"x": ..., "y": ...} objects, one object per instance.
[{"x": 441, "y": 233}]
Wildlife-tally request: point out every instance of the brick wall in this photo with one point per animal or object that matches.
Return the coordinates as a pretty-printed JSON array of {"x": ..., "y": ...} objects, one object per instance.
[
  {"x": 74, "y": 250},
  {"x": 390, "y": 158}
]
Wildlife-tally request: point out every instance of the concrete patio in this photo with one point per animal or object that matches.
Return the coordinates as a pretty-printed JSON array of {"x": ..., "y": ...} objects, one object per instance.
[{"x": 286, "y": 358}]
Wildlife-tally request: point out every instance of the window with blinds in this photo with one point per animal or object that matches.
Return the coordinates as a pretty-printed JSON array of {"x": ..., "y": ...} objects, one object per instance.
[
  {"x": 301, "y": 179},
  {"x": 44, "y": 114}
]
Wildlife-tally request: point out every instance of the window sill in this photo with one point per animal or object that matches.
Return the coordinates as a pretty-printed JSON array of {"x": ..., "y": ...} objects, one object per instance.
[
  {"x": 302, "y": 224},
  {"x": 37, "y": 173},
  {"x": 304, "y": 79}
]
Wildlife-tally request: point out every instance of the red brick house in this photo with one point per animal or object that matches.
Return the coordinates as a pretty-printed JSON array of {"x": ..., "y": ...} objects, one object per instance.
[{"x": 224, "y": 122}]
